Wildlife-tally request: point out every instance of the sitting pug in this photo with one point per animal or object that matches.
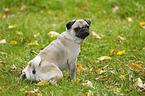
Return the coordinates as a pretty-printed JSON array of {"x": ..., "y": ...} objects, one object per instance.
[{"x": 59, "y": 54}]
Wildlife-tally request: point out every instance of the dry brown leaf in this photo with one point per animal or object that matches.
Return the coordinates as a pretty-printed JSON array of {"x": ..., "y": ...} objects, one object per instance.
[
  {"x": 142, "y": 74},
  {"x": 5, "y": 84},
  {"x": 22, "y": 6},
  {"x": 135, "y": 67},
  {"x": 113, "y": 51},
  {"x": 35, "y": 92},
  {"x": 100, "y": 77}
]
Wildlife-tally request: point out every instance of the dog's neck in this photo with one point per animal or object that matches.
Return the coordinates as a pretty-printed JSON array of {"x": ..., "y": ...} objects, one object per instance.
[{"x": 73, "y": 38}]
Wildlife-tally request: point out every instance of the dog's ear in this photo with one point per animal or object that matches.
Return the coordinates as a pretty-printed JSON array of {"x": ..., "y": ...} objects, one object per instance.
[
  {"x": 88, "y": 21},
  {"x": 69, "y": 24}
]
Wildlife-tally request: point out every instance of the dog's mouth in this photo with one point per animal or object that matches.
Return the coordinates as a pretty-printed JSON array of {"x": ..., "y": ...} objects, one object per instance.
[
  {"x": 23, "y": 76},
  {"x": 82, "y": 33}
]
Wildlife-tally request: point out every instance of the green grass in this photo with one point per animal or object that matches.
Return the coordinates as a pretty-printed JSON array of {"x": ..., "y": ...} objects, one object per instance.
[{"x": 43, "y": 16}]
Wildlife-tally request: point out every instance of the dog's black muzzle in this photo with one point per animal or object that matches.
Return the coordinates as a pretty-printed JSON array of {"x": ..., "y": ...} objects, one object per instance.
[{"x": 83, "y": 33}]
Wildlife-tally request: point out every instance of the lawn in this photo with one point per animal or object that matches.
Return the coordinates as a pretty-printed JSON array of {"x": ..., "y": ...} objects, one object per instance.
[{"x": 120, "y": 36}]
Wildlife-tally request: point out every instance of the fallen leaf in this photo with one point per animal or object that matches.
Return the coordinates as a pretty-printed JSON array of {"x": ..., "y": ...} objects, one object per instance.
[
  {"x": 53, "y": 34},
  {"x": 95, "y": 35},
  {"x": 100, "y": 77},
  {"x": 130, "y": 19},
  {"x": 42, "y": 83},
  {"x": 37, "y": 34},
  {"x": 33, "y": 43},
  {"x": 22, "y": 7},
  {"x": 104, "y": 58},
  {"x": 142, "y": 23},
  {"x": 101, "y": 71},
  {"x": 115, "y": 9},
  {"x": 113, "y": 51},
  {"x": 121, "y": 52},
  {"x": 88, "y": 84},
  {"x": 13, "y": 42},
  {"x": 121, "y": 38},
  {"x": 123, "y": 76},
  {"x": 139, "y": 83},
  {"x": 135, "y": 67},
  {"x": 3, "y": 53},
  {"x": 0, "y": 88},
  {"x": 20, "y": 33},
  {"x": 79, "y": 70},
  {"x": 13, "y": 68},
  {"x": 5, "y": 84},
  {"x": 7, "y": 10},
  {"x": 142, "y": 74},
  {"x": 35, "y": 92},
  {"x": 13, "y": 26},
  {"x": 3, "y": 41}
]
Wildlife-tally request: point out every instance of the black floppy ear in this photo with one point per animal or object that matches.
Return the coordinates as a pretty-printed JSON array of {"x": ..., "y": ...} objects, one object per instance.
[
  {"x": 69, "y": 24},
  {"x": 88, "y": 21}
]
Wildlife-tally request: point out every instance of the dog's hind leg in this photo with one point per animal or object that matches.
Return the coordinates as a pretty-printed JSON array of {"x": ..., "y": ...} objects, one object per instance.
[{"x": 49, "y": 72}]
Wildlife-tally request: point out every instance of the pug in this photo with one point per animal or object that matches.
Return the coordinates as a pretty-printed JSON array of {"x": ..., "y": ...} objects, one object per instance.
[{"x": 59, "y": 54}]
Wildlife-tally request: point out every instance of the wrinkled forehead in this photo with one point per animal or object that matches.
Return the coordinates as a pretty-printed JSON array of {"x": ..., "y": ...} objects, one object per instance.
[{"x": 80, "y": 23}]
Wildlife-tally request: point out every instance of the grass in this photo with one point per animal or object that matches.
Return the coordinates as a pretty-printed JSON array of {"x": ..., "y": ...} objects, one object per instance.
[{"x": 44, "y": 16}]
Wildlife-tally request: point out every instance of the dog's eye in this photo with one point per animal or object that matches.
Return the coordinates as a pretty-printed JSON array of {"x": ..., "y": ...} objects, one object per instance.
[
  {"x": 87, "y": 27},
  {"x": 77, "y": 29}
]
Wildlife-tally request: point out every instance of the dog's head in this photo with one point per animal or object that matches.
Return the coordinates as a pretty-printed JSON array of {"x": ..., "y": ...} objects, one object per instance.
[{"x": 79, "y": 28}]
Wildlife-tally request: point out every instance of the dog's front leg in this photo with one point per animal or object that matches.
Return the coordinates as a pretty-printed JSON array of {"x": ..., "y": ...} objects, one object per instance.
[{"x": 72, "y": 69}]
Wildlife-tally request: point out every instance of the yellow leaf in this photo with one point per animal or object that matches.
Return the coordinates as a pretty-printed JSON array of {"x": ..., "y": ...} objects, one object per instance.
[
  {"x": 123, "y": 76},
  {"x": 33, "y": 43},
  {"x": 139, "y": 83},
  {"x": 121, "y": 38},
  {"x": 13, "y": 26},
  {"x": 3, "y": 41},
  {"x": 91, "y": 69},
  {"x": 42, "y": 83},
  {"x": 104, "y": 58},
  {"x": 121, "y": 52},
  {"x": 130, "y": 19},
  {"x": 135, "y": 67},
  {"x": 142, "y": 23},
  {"x": 101, "y": 71},
  {"x": 13, "y": 42},
  {"x": 0, "y": 88},
  {"x": 79, "y": 70},
  {"x": 53, "y": 34},
  {"x": 95, "y": 35}
]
